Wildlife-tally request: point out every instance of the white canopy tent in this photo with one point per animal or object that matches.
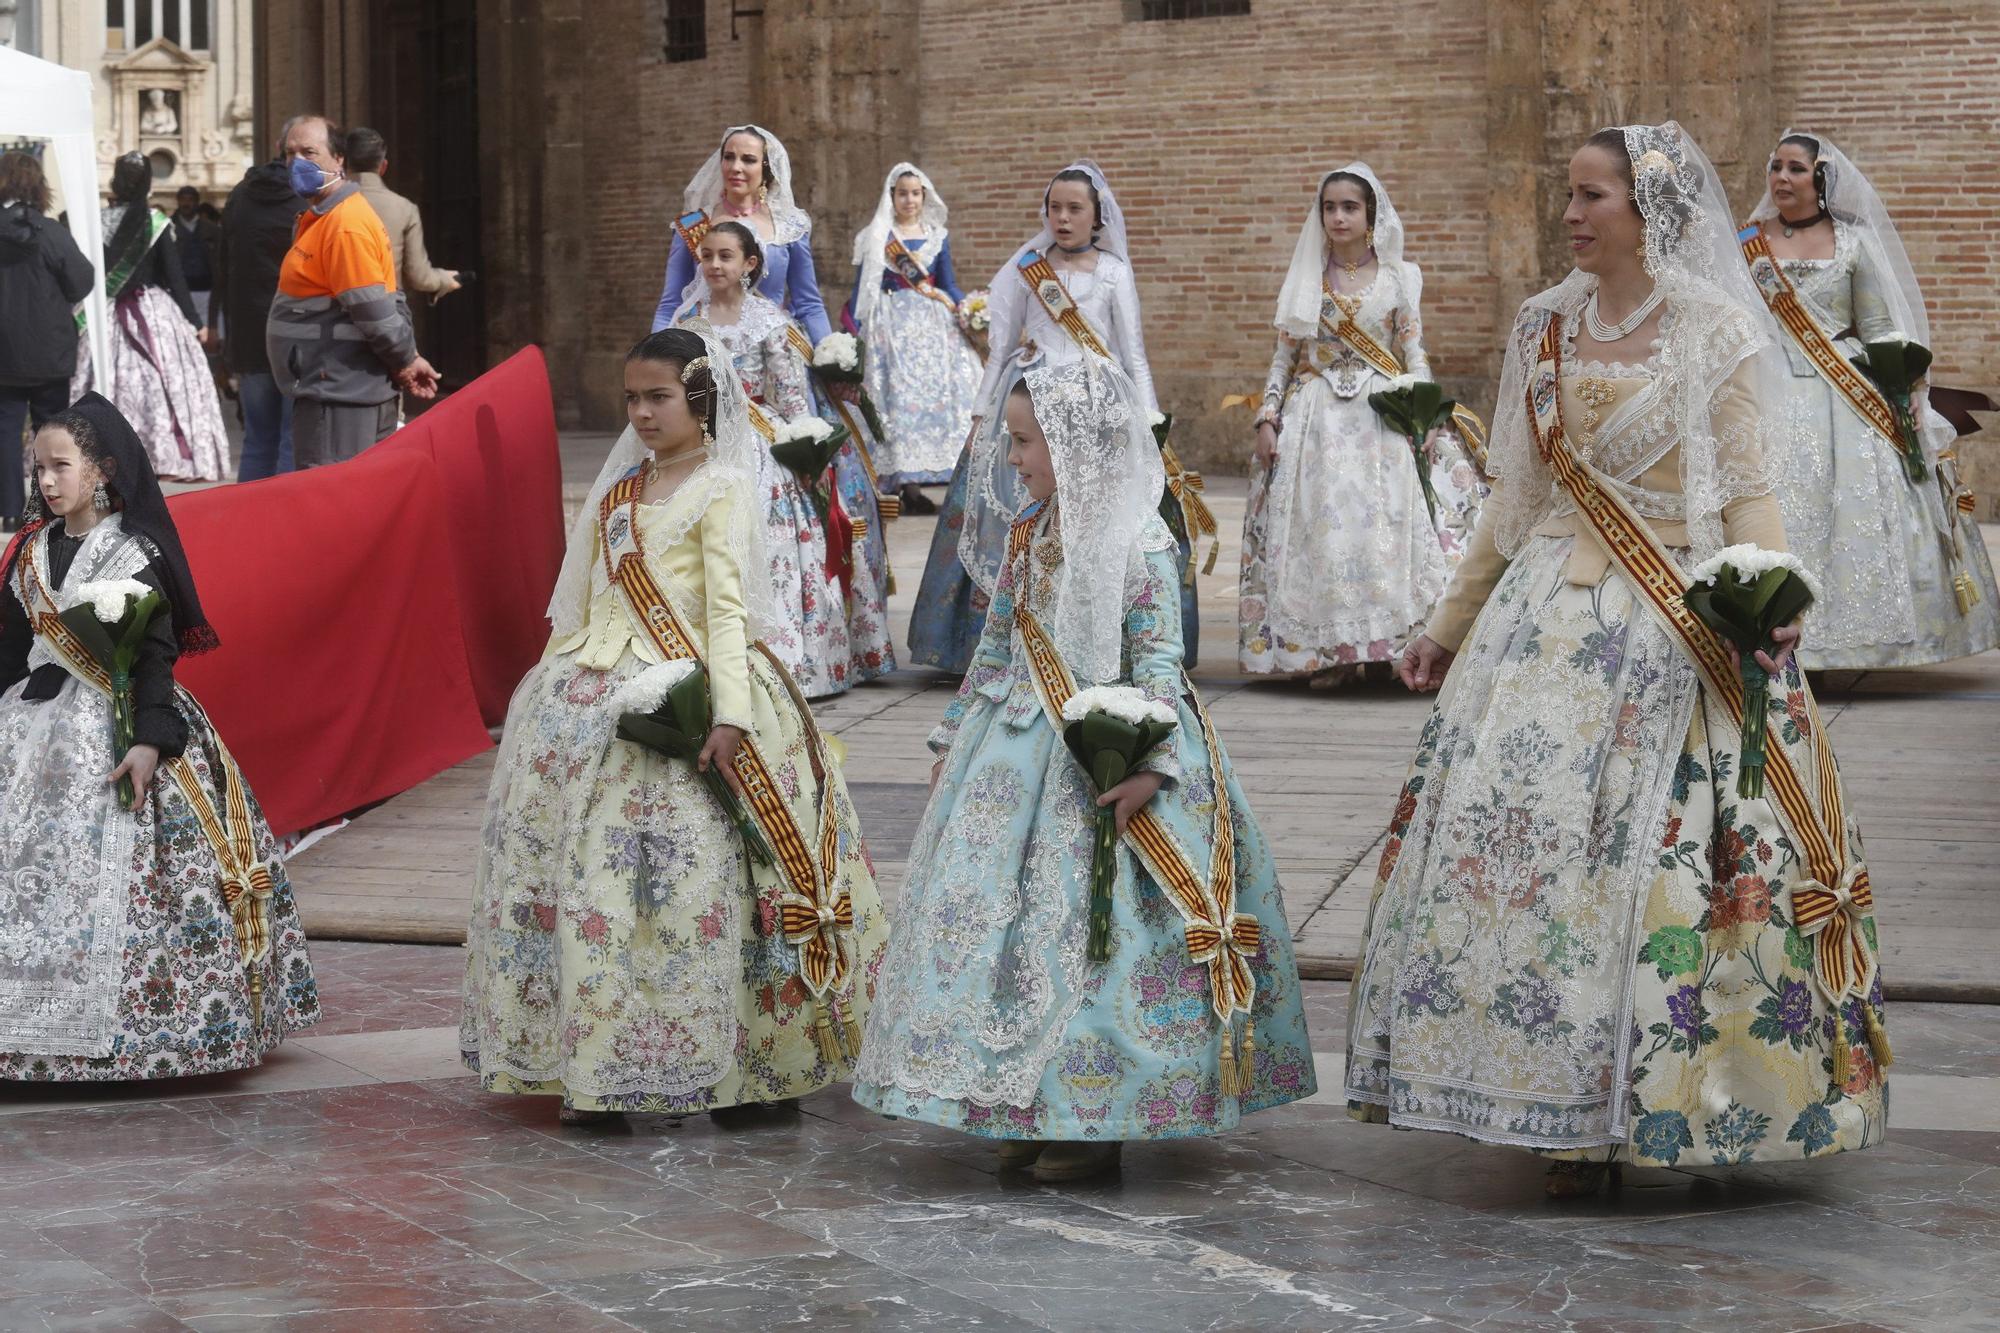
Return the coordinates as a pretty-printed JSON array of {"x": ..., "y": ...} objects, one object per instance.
[{"x": 42, "y": 100}]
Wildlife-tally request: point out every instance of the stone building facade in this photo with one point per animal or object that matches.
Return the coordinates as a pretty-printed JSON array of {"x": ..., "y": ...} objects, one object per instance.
[
  {"x": 174, "y": 80},
  {"x": 588, "y": 119}
]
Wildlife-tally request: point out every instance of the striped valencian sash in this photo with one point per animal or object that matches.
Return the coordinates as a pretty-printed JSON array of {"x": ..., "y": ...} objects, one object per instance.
[
  {"x": 1041, "y": 278},
  {"x": 1216, "y": 933},
  {"x": 1790, "y": 308},
  {"x": 816, "y": 909},
  {"x": 903, "y": 262},
  {"x": 247, "y": 882},
  {"x": 1829, "y": 907},
  {"x": 692, "y": 227},
  {"x": 1347, "y": 331}
]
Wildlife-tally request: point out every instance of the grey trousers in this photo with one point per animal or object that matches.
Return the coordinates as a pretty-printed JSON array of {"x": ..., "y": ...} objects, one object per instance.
[{"x": 325, "y": 433}]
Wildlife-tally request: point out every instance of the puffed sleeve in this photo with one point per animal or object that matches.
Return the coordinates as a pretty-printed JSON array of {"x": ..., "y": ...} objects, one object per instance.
[
  {"x": 943, "y": 275},
  {"x": 1006, "y": 309},
  {"x": 1874, "y": 313},
  {"x": 680, "y": 272},
  {"x": 1283, "y": 358},
  {"x": 1409, "y": 335},
  {"x": 1153, "y": 644},
  {"x": 785, "y": 372},
  {"x": 1128, "y": 339},
  {"x": 728, "y": 617},
  {"x": 990, "y": 661},
  {"x": 802, "y": 297}
]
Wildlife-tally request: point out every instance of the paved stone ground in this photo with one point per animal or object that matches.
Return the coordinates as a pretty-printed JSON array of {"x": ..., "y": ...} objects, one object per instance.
[{"x": 358, "y": 1181}]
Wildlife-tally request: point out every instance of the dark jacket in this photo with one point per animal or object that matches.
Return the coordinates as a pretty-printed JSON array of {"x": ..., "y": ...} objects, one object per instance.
[
  {"x": 200, "y": 244},
  {"x": 42, "y": 277},
  {"x": 256, "y": 234}
]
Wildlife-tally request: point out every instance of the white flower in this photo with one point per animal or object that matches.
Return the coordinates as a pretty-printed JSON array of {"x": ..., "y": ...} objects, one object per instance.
[
  {"x": 1406, "y": 382},
  {"x": 645, "y": 692},
  {"x": 109, "y": 597},
  {"x": 1125, "y": 702},
  {"x": 1750, "y": 563},
  {"x": 838, "y": 350},
  {"x": 807, "y": 427},
  {"x": 1156, "y": 419}
]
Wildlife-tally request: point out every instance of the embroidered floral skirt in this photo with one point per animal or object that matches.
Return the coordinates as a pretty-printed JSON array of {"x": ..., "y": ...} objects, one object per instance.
[
  {"x": 161, "y": 382},
  {"x": 812, "y": 641},
  {"x": 923, "y": 378},
  {"x": 950, "y": 610},
  {"x": 990, "y": 1019},
  {"x": 1877, "y": 544},
  {"x": 118, "y": 959},
  {"x": 1341, "y": 559},
  {"x": 624, "y": 951},
  {"x": 871, "y": 643},
  {"x": 1581, "y": 938}
]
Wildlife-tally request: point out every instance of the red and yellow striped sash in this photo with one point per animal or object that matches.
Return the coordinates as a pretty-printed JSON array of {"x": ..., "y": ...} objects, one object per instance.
[
  {"x": 1790, "y": 309},
  {"x": 904, "y": 262},
  {"x": 692, "y": 227},
  {"x": 1047, "y": 288},
  {"x": 1829, "y": 906}
]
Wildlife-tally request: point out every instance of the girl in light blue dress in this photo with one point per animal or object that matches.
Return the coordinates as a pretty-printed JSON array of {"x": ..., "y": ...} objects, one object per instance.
[{"x": 990, "y": 1016}]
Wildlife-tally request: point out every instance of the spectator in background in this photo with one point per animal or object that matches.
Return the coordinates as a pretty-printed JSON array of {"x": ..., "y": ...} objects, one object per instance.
[
  {"x": 368, "y": 160},
  {"x": 199, "y": 241},
  {"x": 339, "y": 335},
  {"x": 256, "y": 232},
  {"x": 42, "y": 276}
]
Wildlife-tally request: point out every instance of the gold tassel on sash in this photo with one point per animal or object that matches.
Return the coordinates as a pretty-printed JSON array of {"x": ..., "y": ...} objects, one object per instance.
[
  {"x": 1843, "y": 1062},
  {"x": 1878, "y": 1037}
]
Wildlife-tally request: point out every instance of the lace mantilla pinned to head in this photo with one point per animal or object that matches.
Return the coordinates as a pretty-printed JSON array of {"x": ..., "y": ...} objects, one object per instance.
[{"x": 1717, "y": 341}]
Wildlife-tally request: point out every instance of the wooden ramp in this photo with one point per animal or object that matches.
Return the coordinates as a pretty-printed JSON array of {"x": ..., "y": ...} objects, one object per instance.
[{"x": 1920, "y": 751}]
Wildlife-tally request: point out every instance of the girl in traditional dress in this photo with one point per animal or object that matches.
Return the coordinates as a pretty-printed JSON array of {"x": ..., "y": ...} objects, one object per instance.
[
  {"x": 1342, "y": 558},
  {"x": 143, "y": 942},
  {"x": 991, "y": 1018},
  {"x": 160, "y": 378},
  {"x": 809, "y": 633},
  {"x": 748, "y": 178},
  {"x": 1083, "y": 246},
  {"x": 1583, "y": 941},
  {"x": 1904, "y": 576},
  {"x": 921, "y": 371},
  {"x": 626, "y": 951}
]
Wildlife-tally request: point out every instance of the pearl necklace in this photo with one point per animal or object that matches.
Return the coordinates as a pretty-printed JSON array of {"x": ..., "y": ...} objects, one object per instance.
[
  {"x": 656, "y": 464},
  {"x": 1611, "y": 333}
]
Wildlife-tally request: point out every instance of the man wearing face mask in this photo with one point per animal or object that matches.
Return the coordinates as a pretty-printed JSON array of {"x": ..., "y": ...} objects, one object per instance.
[{"x": 339, "y": 336}]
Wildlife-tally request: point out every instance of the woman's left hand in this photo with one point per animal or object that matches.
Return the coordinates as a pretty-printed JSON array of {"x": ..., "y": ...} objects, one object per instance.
[
  {"x": 1786, "y": 638},
  {"x": 1131, "y": 795},
  {"x": 720, "y": 751},
  {"x": 141, "y": 762}
]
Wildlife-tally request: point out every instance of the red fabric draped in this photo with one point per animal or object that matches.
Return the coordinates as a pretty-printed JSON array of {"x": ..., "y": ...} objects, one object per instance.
[{"x": 375, "y": 615}]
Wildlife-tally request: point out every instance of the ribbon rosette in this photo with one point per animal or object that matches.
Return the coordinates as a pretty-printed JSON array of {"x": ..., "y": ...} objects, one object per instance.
[
  {"x": 1896, "y": 365},
  {"x": 1743, "y": 593},
  {"x": 1830, "y": 916},
  {"x": 1110, "y": 729},
  {"x": 666, "y": 709},
  {"x": 1414, "y": 408},
  {"x": 1181, "y": 504},
  {"x": 109, "y": 619},
  {"x": 814, "y": 928}
]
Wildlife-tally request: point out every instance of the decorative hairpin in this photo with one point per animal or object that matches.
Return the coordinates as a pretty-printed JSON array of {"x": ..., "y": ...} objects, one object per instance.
[{"x": 688, "y": 370}]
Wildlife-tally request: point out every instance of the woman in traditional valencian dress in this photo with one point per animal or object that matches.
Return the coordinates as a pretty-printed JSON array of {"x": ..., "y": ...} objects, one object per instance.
[
  {"x": 1342, "y": 558},
  {"x": 144, "y": 942},
  {"x": 921, "y": 372},
  {"x": 991, "y": 1018},
  {"x": 160, "y": 377},
  {"x": 1583, "y": 941},
  {"x": 627, "y": 952},
  {"x": 1904, "y": 575},
  {"x": 1079, "y": 261},
  {"x": 809, "y": 631}
]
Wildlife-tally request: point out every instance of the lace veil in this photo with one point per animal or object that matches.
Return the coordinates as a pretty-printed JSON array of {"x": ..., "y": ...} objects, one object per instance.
[
  {"x": 870, "y": 240},
  {"x": 1299, "y": 299},
  {"x": 1108, "y": 484},
  {"x": 1717, "y": 339},
  {"x": 788, "y": 221},
  {"x": 730, "y": 470}
]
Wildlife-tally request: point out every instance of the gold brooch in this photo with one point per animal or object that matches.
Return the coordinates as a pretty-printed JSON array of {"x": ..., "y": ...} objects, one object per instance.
[{"x": 1594, "y": 393}]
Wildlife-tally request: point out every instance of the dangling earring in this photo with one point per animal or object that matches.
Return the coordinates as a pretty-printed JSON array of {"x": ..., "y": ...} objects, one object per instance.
[
  {"x": 763, "y": 193},
  {"x": 1642, "y": 250},
  {"x": 100, "y": 499},
  {"x": 1371, "y": 238},
  {"x": 745, "y": 281}
]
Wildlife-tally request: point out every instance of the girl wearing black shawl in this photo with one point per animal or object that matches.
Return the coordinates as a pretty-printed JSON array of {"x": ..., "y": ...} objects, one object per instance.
[
  {"x": 145, "y": 942},
  {"x": 160, "y": 377}
]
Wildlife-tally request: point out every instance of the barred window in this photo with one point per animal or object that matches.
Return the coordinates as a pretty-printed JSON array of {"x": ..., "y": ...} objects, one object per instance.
[
  {"x": 686, "y": 30},
  {"x": 1148, "y": 11}
]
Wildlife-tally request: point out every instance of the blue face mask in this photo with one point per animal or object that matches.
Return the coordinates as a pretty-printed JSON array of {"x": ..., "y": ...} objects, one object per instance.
[{"x": 309, "y": 178}]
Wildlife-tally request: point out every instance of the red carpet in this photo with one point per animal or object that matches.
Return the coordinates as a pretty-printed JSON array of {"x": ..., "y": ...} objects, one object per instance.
[{"x": 376, "y": 615}]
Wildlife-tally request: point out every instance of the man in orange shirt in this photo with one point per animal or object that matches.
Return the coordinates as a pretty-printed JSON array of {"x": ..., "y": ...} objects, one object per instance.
[{"x": 339, "y": 337}]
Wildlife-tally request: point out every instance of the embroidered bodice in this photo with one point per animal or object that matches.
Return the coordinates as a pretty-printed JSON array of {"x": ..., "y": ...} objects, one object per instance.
[
  {"x": 1108, "y": 298},
  {"x": 771, "y": 370},
  {"x": 788, "y": 278},
  {"x": 1845, "y": 294},
  {"x": 685, "y": 538},
  {"x": 1382, "y": 311}
]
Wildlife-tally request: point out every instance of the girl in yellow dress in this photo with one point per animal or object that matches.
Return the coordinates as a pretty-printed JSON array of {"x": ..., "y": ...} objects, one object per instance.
[{"x": 628, "y": 951}]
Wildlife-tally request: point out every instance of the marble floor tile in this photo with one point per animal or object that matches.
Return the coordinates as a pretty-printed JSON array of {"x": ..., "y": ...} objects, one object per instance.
[
  {"x": 86, "y": 1310},
  {"x": 826, "y": 1294},
  {"x": 406, "y": 1055}
]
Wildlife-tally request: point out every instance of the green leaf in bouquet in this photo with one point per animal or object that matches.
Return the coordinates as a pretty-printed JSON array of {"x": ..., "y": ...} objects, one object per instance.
[
  {"x": 873, "y": 417},
  {"x": 1894, "y": 366},
  {"x": 1163, "y": 429},
  {"x": 93, "y": 633},
  {"x": 1424, "y": 399},
  {"x": 138, "y": 615},
  {"x": 808, "y": 459},
  {"x": 687, "y": 704},
  {"x": 663, "y": 737},
  {"x": 1393, "y": 406}
]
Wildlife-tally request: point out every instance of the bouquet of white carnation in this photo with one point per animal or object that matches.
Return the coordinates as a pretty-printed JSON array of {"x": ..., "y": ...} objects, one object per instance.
[
  {"x": 1743, "y": 593},
  {"x": 109, "y": 618},
  {"x": 1111, "y": 729}
]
